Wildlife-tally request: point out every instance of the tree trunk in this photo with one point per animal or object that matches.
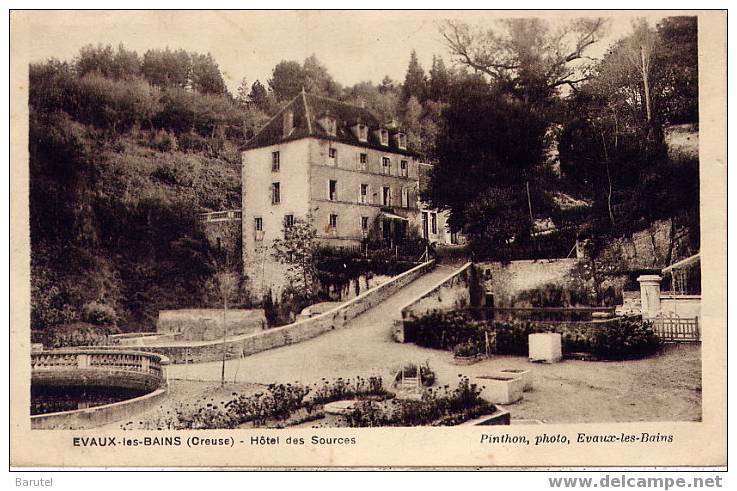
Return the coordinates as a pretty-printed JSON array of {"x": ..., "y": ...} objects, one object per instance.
[
  {"x": 609, "y": 179},
  {"x": 645, "y": 67}
]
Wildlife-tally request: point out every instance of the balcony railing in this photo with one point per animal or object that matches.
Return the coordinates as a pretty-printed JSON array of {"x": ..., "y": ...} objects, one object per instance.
[{"x": 221, "y": 216}]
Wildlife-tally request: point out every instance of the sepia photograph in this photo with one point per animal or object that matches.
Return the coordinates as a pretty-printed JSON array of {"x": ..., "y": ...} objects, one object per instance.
[{"x": 305, "y": 226}]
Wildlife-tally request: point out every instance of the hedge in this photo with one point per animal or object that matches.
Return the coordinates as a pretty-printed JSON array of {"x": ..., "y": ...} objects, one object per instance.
[{"x": 619, "y": 338}]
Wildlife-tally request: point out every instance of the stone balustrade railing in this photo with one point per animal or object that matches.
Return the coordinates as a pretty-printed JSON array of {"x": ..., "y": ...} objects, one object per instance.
[
  {"x": 120, "y": 361},
  {"x": 219, "y": 216}
]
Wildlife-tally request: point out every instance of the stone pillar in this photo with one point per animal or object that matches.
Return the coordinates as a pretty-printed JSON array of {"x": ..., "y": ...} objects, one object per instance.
[
  {"x": 650, "y": 295},
  {"x": 83, "y": 360}
]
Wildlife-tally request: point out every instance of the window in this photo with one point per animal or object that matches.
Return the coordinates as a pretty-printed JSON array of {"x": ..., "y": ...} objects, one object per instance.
[
  {"x": 275, "y": 161},
  {"x": 384, "y": 137},
  {"x": 362, "y": 132},
  {"x": 364, "y": 194},
  {"x": 333, "y": 221},
  {"x": 434, "y": 222},
  {"x": 425, "y": 233},
  {"x": 275, "y": 193},
  {"x": 364, "y": 223},
  {"x": 402, "y": 141},
  {"x": 333, "y": 190},
  {"x": 333, "y": 153},
  {"x": 386, "y": 196},
  {"x": 405, "y": 198},
  {"x": 288, "y": 221},
  {"x": 386, "y": 165},
  {"x": 258, "y": 225},
  {"x": 363, "y": 161},
  {"x": 403, "y": 168}
]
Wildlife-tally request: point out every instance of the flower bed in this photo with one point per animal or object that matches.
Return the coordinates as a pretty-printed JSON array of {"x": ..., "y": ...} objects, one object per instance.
[
  {"x": 442, "y": 407},
  {"x": 288, "y": 405}
]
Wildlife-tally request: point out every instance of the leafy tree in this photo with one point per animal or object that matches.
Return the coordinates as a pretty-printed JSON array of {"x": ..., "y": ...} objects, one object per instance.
[
  {"x": 386, "y": 85},
  {"x": 95, "y": 59},
  {"x": 411, "y": 118},
  {"x": 241, "y": 96},
  {"x": 415, "y": 81},
  {"x": 317, "y": 79},
  {"x": 440, "y": 80},
  {"x": 613, "y": 146},
  {"x": 260, "y": 98},
  {"x": 297, "y": 251},
  {"x": 166, "y": 68},
  {"x": 676, "y": 67},
  {"x": 287, "y": 80},
  {"x": 126, "y": 64},
  {"x": 490, "y": 146},
  {"x": 383, "y": 103},
  {"x": 526, "y": 55},
  {"x": 206, "y": 76}
]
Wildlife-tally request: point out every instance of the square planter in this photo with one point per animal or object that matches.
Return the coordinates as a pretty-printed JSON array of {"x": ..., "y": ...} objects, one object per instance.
[
  {"x": 525, "y": 375},
  {"x": 500, "y": 389},
  {"x": 545, "y": 347},
  {"x": 498, "y": 418}
]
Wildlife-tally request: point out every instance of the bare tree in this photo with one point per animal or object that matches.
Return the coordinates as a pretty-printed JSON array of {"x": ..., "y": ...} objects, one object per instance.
[
  {"x": 518, "y": 49},
  {"x": 227, "y": 283}
]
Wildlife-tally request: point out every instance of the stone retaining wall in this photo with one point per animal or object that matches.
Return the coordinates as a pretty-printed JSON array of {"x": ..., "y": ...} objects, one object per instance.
[
  {"x": 198, "y": 352},
  {"x": 451, "y": 293},
  {"x": 506, "y": 280},
  {"x": 94, "y": 417}
]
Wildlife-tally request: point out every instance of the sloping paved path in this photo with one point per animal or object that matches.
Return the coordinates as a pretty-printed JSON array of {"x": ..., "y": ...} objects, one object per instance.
[{"x": 364, "y": 348}]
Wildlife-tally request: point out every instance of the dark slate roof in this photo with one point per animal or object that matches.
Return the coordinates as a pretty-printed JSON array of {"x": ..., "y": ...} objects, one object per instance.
[{"x": 308, "y": 109}]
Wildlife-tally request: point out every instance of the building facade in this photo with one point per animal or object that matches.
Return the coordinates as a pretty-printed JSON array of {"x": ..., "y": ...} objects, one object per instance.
[{"x": 335, "y": 163}]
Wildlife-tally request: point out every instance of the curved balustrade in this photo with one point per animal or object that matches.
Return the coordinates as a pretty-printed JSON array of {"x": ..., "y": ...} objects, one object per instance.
[
  {"x": 123, "y": 361},
  {"x": 90, "y": 368}
]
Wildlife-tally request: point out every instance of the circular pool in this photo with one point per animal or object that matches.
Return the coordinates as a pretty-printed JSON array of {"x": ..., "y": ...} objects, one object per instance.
[{"x": 89, "y": 388}]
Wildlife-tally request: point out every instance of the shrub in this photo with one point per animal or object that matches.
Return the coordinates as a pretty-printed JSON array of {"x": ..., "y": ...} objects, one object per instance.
[
  {"x": 467, "y": 349},
  {"x": 162, "y": 140},
  {"x": 99, "y": 314},
  {"x": 348, "y": 388},
  {"x": 277, "y": 402},
  {"x": 76, "y": 334},
  {"x": 627, "y": 338},
  {"x": 617, "y": 339},
  {"x": 443, "y": 330}
]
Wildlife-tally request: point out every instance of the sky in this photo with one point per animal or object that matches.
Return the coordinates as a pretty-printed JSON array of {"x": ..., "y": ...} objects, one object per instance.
[{"x": 354, "y": 46}]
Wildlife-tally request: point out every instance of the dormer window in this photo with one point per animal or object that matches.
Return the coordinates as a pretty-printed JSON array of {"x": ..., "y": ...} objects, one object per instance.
[
  {"x": 384, "y": 137},
  {"x": 362, "y": 132},
  {"x": 402, "y": 141},
  {"x": 329, "y": 124}
]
